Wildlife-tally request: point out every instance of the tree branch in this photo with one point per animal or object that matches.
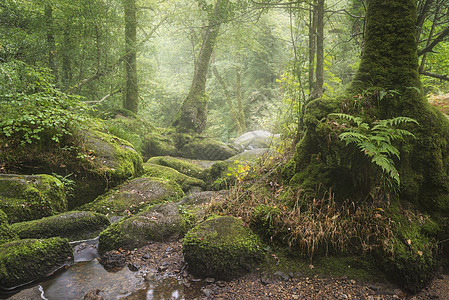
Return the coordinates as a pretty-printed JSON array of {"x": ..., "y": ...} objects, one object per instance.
[
  {"x": 101, "y": 73},
  {"x": 438, "y": 39},
  {"x": 435, "y": 75}
]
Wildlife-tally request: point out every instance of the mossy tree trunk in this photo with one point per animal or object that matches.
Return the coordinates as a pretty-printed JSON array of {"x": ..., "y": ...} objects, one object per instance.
[
  {"x": 389, "y": 65},
  {"x": 193, "y": 114},
  {"x": 131, "y": 94}
]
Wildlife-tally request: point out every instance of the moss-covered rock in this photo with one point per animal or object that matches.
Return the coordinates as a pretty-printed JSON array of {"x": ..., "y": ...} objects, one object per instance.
[
  {"x": 181, "y": 165},
  {"x": 6, "y": 233},
  {"x": 160, "y": 144},
  {"x": 159, "y": 223},
  {"x": 131, "y": 196},
  {"x": 131, "y": 129},
  {"x": 30, "y": 197},
  {"x": 410, "y": 258},
  {"x": 187, "y": 183},
  {"x": 222, "y": 248},
  {"x": 75, "y": 225},
  {"x": 24, "y": 261},
  {"x": 208, "y": 149}
]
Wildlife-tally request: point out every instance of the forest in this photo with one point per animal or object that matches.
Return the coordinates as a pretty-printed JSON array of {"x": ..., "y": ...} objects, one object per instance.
[{"x": 178, "y": 149}]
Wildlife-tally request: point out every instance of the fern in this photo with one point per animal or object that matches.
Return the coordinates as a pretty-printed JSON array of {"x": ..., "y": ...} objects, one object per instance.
[{"x": 375, "y": 141}]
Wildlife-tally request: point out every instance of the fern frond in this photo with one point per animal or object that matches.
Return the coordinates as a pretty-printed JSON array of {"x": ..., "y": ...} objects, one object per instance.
[{"x": 356, "y": 120}]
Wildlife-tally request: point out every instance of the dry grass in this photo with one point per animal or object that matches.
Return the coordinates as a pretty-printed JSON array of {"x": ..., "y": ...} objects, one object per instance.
[{"x": 315, "y": 226}]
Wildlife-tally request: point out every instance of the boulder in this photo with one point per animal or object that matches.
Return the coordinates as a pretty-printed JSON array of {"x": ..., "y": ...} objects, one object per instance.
[
  {"x": 222, "y": 248},
  {"x": 131, "y": 196},
  {"x": 30, "y": 197},
  {"x": 187, "y": 183},
  {"x": 159, "y": 223},
  {"x": 203, "y": 197},
  {"x": 6, "y": 233},
  {"x": 207, "y": 149},
  {"x": 109, "y": 161},
  {"x": 181, "y": 165},
  {"x": 24, "y": 261},
  {"x": 255, "y": 140},
  {"x": 75, "y": 225}
]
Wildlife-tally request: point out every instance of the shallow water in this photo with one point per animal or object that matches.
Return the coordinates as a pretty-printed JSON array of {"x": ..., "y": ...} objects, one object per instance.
[{"x": 87, "y": 274}]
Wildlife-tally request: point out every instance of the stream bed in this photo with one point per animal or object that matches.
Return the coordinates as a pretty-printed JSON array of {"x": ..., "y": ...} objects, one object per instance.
[{"x": 87, "y": 274}]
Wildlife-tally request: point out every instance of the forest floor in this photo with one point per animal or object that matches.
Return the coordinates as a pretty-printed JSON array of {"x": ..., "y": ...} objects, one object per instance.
[{"x": 166, "y": 259}]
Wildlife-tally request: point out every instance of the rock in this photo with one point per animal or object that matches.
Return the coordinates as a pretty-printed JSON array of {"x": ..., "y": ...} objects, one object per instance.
[
  {"x": 208, "y": 149},
  {"x": 93, "y": 295},
  {"x": 112, "y": 261},
  {"x": 23, "y": 261},
  {"x": 28, "y": 294},
  {"x": 75, "y": 225},
  {"x": 255, "y": 140},
  {"x": 222, "y": 248},
  {"x": 133, "y": 267},
  {"x": 85, "y": 252},
  {"x": 6, "y": 233},
  {"x": 187, "y": 183},
  {"x": 30, "y": 197},
  {"x": 251, "y": 156},
  {"x": 159, "y": 223},
  {"x": 130, "y": 197},
  {"x": 203, "y": 197},
  {"x": 109, "y": 162},
  {"x": 181, "y": 165}
]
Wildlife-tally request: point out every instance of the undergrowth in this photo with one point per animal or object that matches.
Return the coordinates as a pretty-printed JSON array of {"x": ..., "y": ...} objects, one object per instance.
[{"x": 284, "y": 215}]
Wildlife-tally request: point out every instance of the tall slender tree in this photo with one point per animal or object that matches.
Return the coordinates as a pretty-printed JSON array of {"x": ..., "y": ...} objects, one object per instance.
[
  {"x": 131, "y": 92},
  {"x": 193, "y": 114}
]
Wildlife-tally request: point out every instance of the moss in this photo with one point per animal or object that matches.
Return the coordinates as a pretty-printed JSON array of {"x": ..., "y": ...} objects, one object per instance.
[
  {"x": 160, "y": 222},
  {"x": 167, "y": 173},
  {"x": 29, "y": 197},
  {"x": 24, "y": 261},
  {"x": 6, "y": 233},
  {"x": 410, "y": 259},
  {"x": 115, "y": 158},
  {"x": 133, "y": 130},
  {"x": 180, "y": 165},
  {"x": 130, "y": 197},
  {"x": 208, "y": 149},
  {"x": 75, "y": 225},
  {"x": 221, "y": 248},
  {"x": 103, "y": 162},
  {"x": 160, "y": 143}
]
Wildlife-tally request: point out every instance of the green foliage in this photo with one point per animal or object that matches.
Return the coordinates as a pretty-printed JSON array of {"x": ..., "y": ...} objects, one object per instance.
[
  {"x": 375, "y": 141},
  {"x": 32, "y": 109}
]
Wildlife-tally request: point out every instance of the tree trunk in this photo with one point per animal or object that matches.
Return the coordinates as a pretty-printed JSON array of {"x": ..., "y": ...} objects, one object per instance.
[
  {"x": 193, "y": 114},
  {"x": 389, "y": 65},
  {"x": 50, "y": 40},
  {"x": 318, "y": 87},
  {"x": 312, "y": 45},
  {"x": 131, "y": 92}
]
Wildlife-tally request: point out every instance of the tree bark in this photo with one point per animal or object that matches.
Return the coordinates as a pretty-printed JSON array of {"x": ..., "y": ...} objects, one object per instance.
[
  {"x": 318, "y": 88},
  {"x": 51, "y": 40},
  {"x": 193, "y": 114},
  {"x": 312, "y": 44},
  {"x": 131, "y": 92}
]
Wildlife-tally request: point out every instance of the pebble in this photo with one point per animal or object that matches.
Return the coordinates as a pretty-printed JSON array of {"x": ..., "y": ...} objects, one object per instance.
[{"x": 133, "y": 267}]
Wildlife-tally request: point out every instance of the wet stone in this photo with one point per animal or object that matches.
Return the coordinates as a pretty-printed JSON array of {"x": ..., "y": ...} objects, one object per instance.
[
  {"x": 93, "y": 295},
  {"x": 113, "y": 261},
  {"x": 133, "y": 267}
]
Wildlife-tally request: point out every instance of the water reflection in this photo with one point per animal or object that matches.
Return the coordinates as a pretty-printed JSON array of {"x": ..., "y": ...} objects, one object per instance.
[{"x": 78, "y": 280}]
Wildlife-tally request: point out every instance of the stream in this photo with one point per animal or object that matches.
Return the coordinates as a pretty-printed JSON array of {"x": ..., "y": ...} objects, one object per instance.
[{"x": 87, "y": 274}]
